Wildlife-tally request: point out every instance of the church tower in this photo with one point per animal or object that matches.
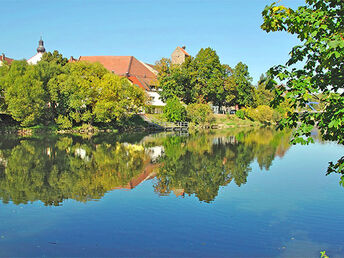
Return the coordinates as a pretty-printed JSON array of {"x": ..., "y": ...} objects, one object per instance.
[
  {"x": 40, "y": 48},
  {"x": 40, "y": 51}
]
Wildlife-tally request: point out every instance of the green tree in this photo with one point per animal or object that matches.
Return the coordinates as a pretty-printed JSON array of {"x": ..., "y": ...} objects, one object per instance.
[
  {"x": 4, "y": 68},
  {"x": 208, "y": 77},
  {"x": 202, "y": 77},
  {"x": 117, "y": 98},
  {"x": 55, "y": 58},
  {"x": 25, "y": 96},
  {"x": 174, "y": 111},
  {"x": 199, "y": 113},
  {"x": 262, "y": 96},
  {"x": 88, "y": 93},
  {"x": 175, "y": 80},
  {"x": 315, "y": 66},
  {"x": 245, "y": 90}
]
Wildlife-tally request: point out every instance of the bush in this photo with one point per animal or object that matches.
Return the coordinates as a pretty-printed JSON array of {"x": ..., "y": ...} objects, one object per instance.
[
  {"x": 63, "y": 122},
  {"x": 240, "y": 113},
  {"x": 199, "y": 113},
  {"x": 262, "y": 113},
  {"x": 174, "y": 111}
]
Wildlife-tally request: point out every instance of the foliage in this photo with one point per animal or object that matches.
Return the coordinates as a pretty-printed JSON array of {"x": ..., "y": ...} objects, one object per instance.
[
  {"x": 52, "y": 170},
  {"x": 25, "y": 96},
  {"x": 262, "y": 96},
  {"x": 174, "y": 111},
  {"x": 208, "y": 76},
  {"x": 243, "y": 84},
  {"x": 323, "y": 254},
  {"x": 198, "y": 166},
  {"x": 262, "y": 113},
  {"x": 204, "y": 77},
  {"x": 319, "y": 25},
  {"x": 54, "y": 57},
  {"x": 199, "y": 113},
  {"x": 240, "y": 113},
  {"x": 66, "y": 93}
]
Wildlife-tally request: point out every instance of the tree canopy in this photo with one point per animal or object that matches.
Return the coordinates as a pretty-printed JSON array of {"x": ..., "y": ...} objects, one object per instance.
[
  {"x": 69, "y": 94},
  {"x": 315, "y": 66}
]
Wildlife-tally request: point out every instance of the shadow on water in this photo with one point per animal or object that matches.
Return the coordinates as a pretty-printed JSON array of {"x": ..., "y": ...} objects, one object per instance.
[{"x": 52, "y": 169}]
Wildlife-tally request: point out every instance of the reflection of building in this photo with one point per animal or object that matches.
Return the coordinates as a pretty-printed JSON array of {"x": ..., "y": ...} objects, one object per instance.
[
  {"x": 149, "y": 172},
  {"x": 40, "y": 51},
  {"x": 179, "y": 55},
  {"x": 155, "y": 152}
]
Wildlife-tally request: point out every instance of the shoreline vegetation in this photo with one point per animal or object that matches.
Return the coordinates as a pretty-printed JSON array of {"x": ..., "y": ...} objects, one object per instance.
[
  {"x": 135, "y": 124},
  {"x": 81, "y": 97}
]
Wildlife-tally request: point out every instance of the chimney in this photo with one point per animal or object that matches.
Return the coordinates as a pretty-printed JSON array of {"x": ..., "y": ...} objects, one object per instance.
[
  {"x": 183, "y": 47},
  {"x": 3, "y": 56}
]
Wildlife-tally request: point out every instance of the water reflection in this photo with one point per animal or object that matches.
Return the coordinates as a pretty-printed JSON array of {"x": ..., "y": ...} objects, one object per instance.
[
  {"x": 201, "y": 164},
  {"x": 53, "y": 169}
]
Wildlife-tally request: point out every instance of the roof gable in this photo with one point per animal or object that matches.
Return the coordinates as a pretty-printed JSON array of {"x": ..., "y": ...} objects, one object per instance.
[
  {"x": 8, "y": 60},
  {"x": 183, "y": 50},
  {"x": 137, "y": 72}
]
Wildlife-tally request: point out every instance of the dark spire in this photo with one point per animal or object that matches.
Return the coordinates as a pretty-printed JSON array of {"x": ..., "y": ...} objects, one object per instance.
[{"x": 40, "y": 48}]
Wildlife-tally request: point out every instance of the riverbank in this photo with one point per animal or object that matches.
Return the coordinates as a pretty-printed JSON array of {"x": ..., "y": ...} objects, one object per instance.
[{"x": 147, "y": 122}]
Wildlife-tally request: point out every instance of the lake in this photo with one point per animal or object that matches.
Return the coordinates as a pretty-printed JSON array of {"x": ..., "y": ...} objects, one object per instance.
[{"x": 233, "y": 193}]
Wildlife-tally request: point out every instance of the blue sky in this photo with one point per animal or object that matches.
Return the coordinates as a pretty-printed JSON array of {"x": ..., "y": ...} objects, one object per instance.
[{"x": 146, "y": 29}]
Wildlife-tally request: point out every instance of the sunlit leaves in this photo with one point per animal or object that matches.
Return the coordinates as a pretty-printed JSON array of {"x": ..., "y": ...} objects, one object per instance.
[{"x": 319, "y": 25}]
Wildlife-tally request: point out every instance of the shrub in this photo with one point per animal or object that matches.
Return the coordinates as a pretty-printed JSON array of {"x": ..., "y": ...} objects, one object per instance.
[
  {"x": 262, "y": 113},
  {"x": 174, "y": 111},
  {"x": 199, "y": 113},
  {"x": 63, "y": 122},
  {"x": 240, "y": 113}
]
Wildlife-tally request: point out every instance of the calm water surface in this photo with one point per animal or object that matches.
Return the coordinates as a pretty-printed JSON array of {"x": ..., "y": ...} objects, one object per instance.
[{"x": 227, "y": 193}]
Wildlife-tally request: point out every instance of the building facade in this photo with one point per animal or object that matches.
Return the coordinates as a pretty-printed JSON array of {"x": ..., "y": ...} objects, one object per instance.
[{"x": 179, "y": 55}]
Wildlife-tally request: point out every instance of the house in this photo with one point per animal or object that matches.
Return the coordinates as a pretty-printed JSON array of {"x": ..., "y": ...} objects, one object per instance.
[
  {"x": 179, "y": 55},
  {"x": 40, "y": 51},
  {"x": 137, "y": 72},
  {"x": 3, "y": 59}
]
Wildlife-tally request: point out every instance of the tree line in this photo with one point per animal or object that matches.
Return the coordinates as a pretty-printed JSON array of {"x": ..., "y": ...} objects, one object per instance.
[
  {"x": 67, "y": 94},
  {"x": 203, "y": 80}
]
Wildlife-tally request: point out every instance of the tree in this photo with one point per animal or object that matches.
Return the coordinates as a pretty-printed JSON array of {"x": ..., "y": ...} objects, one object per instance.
[
  {"x": 87, "y": 93},
  {"x": 244, "y": 87},
  {"x": 174, "y": 111},
  {"x": 117, "y": 98},
  {"x": 319, "y": 25},
  {"x": 175, "y": 80},
  {"x": 231, "y": 91},
  {"x": 209, "y": 76},
  {"x": 202, "y": 77},
  {"x": 25, "y": 96},
  {"x": 54, "y": 57},
  {"x": 262, "y": 96}
]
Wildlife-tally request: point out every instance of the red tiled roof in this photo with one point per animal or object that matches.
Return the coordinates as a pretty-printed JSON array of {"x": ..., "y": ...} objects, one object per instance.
[
  {"x": 72, "y": 60},
  {"x": 8, "y": 60},
  {"x": 183, "y": 50},
  {"x": 127, "y": 66},
  {"x": 139, "y": 83}
]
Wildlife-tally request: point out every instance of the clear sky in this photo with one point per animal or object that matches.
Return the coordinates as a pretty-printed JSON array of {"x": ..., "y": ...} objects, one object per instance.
[{"x": 146, "y": 29}]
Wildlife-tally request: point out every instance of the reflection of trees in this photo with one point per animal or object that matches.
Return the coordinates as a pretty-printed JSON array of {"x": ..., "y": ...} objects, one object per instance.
[
  {"x": 202, "y": 163},
  {"x": 54, "y": 171}
]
